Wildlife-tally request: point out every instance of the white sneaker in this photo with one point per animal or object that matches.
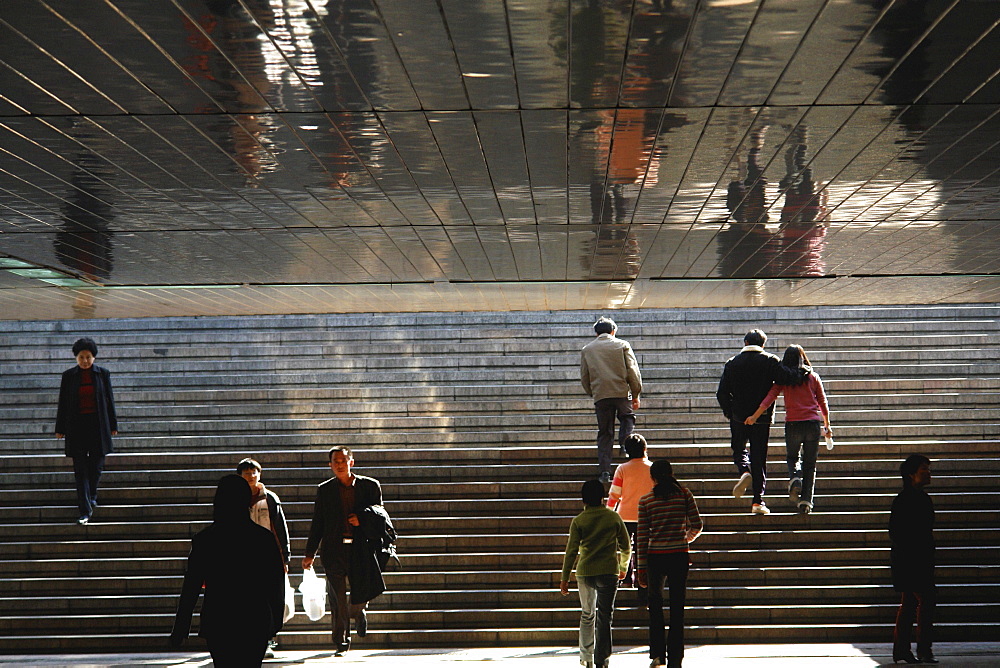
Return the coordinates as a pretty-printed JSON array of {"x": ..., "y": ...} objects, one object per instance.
[
  {"x": 742, "y": 484},
  {"x": 794, "y": 489},
  {"x": 760, "y": 509}
]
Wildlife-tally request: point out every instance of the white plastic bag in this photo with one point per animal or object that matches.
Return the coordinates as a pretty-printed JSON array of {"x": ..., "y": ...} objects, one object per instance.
[
  {"x": 289, "y": 600},
  {"x": 313, "y": 589}
]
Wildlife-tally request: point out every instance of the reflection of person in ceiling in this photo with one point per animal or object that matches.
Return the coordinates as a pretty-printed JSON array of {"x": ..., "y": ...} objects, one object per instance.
[
  {"x": 83, "y": 242},
  {"x": 226, "y": 31},
  {"x": 746, "y": 198},
  {"x": 746, "y": 246},
  {"x": 803, "y": 218}
]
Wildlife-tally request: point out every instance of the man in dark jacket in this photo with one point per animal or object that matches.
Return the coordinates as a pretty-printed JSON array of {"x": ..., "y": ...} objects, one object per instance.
[
  {"x": 911, "y": 531},
  {"x": 335, "y": 533},
  {"x": 746, "y": 380}
]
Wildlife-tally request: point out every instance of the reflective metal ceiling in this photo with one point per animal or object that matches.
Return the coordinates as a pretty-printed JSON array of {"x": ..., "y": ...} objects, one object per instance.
[{"x": 266, "y": 156}]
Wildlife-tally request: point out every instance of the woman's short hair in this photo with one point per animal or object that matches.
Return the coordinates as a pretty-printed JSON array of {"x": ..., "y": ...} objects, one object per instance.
[
  {"x": 634, "y": 446},
  {"x": 592, "y": 492},
  {"x": 85, "y": 343}
]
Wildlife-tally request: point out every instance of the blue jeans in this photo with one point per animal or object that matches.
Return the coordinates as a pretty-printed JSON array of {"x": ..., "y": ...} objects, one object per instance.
[
  {"x": 597, "y": 605},
  {"x": 607, "y": 410},
  {"x": 801, "y": 448}
]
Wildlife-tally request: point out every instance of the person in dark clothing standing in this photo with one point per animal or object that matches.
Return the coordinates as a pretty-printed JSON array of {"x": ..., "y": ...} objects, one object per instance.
[
  {"x": 746, "y": 380},
  {"x": 239, "y": 564},
  {"x": 911, "y": 532},
  {"x": 86, "y": 418},
  {"x": 336, "y": 533}
]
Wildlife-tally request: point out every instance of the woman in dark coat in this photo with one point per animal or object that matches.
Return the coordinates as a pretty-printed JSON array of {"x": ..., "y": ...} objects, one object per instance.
[
  {"x": 911, "y": 531},
  {"x": 240, "y": 565},
  {"x": 86, "y": 419}
]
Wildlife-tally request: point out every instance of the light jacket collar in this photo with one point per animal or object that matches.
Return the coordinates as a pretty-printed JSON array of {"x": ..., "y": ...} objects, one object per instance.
[{"x": 752, "y": 349}]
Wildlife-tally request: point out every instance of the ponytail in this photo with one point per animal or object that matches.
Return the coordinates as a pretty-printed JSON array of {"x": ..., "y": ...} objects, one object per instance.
[{"x": 665, "y": 485}]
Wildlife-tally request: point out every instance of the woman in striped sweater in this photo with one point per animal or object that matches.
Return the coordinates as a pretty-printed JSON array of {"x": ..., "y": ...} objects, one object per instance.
[{"x": 668, "y": 521}]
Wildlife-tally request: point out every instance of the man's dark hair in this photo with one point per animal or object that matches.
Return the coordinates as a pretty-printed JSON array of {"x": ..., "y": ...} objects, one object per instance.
[
  {"x": 85, "y": 343},
  {"x": 910, "y": 466},
  {"x": 593, "y": 492},
  {"x": 755, "y": 337},
  {"x": 340, "y": 448},
  {"x": 247, "y": 464},
  {"x": 634, "y": 446},
  {"x": 605, "y": 325}
]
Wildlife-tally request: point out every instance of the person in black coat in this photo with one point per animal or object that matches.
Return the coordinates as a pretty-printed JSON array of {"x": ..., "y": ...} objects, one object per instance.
[
  {"x": 911, "y": 532},
  {"x": 86, "y": 418},
  {"x": 746, "y": 380},
  {"x": 240, "y": 565},
  {"x": 336, "y": 532}
]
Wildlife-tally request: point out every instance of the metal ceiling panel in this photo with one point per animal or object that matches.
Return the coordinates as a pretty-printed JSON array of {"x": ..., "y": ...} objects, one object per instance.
[{"x": 244, "y": 156}]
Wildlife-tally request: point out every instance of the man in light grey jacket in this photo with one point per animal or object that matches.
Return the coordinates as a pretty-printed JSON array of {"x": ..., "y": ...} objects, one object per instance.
[{"x": 610, "y": 375}]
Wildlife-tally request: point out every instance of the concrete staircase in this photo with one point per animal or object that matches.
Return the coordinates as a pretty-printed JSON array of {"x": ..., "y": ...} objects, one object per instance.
[{"x": 481, "y": 436}]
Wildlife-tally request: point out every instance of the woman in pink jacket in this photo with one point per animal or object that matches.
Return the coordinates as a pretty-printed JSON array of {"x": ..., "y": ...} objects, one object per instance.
[{"x": 805, "y": 409}]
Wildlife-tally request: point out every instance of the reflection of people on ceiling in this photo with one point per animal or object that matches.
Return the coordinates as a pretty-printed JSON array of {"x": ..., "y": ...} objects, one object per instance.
[
  {"x": 227, "y": 31},
  {"x": 746, "y": 198},
  {"x": 83, "y": 242},
  {"x": 746, "y": 246},
  {"x": 803, "y": 226},
  {"x": 802, "y": 203}
]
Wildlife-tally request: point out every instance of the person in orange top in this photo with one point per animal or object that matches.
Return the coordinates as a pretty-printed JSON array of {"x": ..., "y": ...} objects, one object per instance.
[{"x": 631, "y": 482}]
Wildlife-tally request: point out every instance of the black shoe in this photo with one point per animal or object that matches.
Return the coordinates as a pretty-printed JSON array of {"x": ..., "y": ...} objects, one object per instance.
[
  {"x": 904, "y": 658},
  {"x": 927, "y": 658},
  {"x": 605, "y": 477},
  {"x": 361, "y": 624},
  {"x": 343, "y": 647}
]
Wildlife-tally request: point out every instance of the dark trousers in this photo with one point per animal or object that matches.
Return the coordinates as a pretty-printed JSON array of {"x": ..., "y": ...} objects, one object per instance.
[
  {"x": 237, "y": 652},
  {"x": 673, "y": 569},
  {"x": 754, "y": 460},
  {"x": 631, "y": 577},
  {"x": 919, "y": 605},
  {"x": 607, "y": 410},
  {"x": 597, "y": 605},
  {"x": 87, "y": 468},
  {"x": 801, "y": 449},
  {"x": 341, "y": 609}
]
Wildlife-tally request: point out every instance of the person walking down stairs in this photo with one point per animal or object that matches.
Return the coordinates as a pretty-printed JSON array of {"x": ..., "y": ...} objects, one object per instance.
[{"x": 86, "y": 418}]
